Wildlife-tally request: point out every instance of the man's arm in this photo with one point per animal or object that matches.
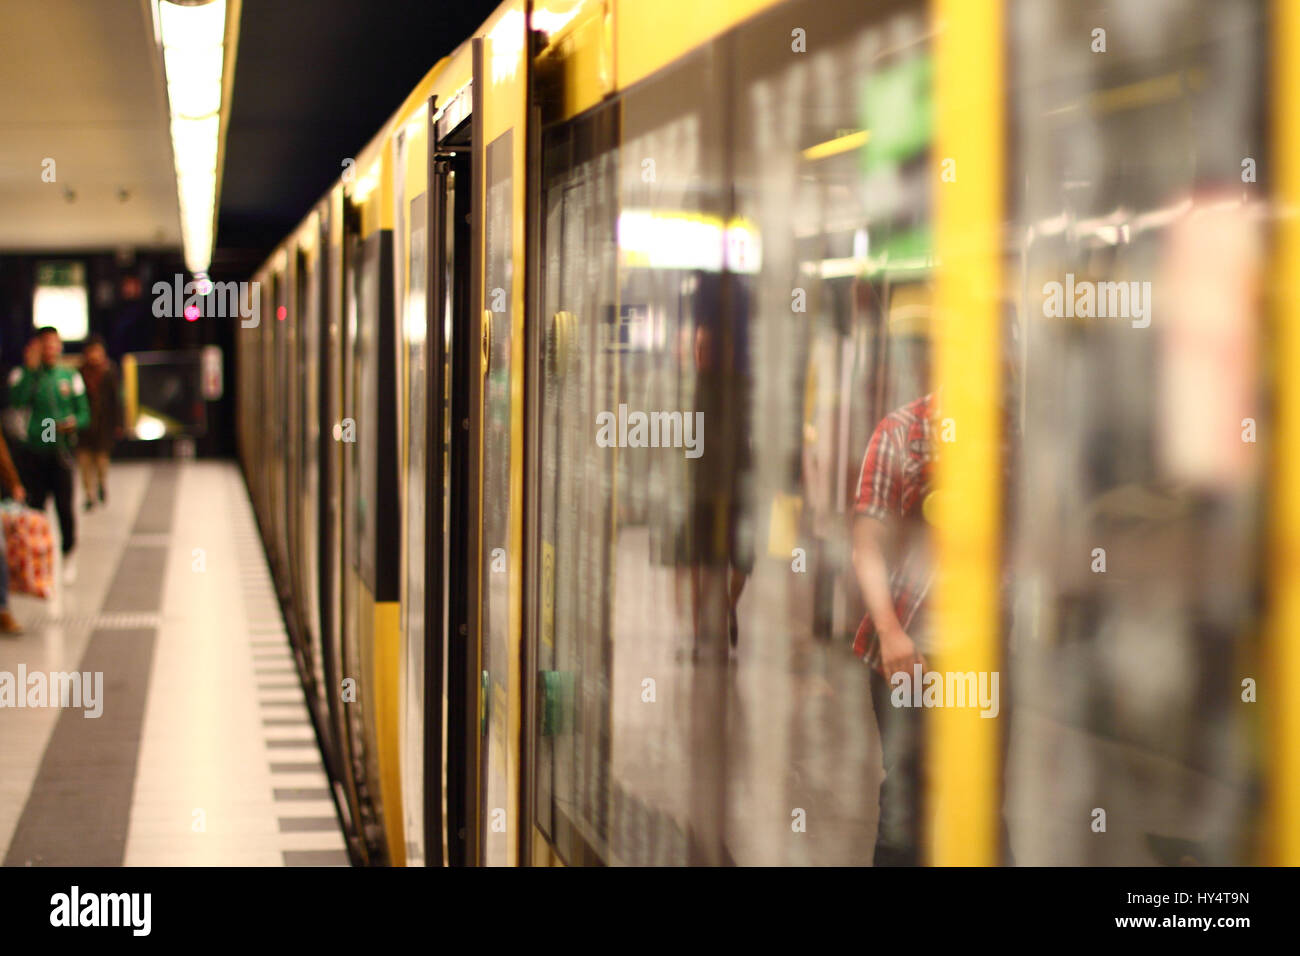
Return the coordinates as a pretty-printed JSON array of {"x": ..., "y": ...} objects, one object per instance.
[{"x": 897, "y": 652}]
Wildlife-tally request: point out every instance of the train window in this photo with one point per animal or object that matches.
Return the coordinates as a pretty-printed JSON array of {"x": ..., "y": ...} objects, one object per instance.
[
  {"x": 309, "y": 333},
  {"x": 572, "y": 746},
  {"x": 1137, "y": 154},
  {"x": 736, "y": 300},
  {"x": 367, "y": 358},
  {"x": 409, "y": 264}
]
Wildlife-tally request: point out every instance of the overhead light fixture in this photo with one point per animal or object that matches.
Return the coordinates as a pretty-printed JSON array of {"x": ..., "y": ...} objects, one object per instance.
[
  {"x": 840, "y": 144},
  {"x": 196, "y": 61}
]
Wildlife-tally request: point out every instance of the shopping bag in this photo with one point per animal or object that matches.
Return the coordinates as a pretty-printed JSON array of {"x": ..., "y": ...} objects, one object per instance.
[{"x": 29, "y": 549}]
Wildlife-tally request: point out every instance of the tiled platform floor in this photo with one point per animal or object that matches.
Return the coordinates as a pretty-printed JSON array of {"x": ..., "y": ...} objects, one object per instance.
[{"x": 204, "y": 754}]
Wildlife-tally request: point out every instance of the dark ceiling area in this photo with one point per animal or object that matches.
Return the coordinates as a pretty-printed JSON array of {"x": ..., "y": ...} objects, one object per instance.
[{"x": 314, "y": 81}]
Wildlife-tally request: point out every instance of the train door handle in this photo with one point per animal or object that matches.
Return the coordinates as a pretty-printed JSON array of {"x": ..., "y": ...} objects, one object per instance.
[
  {"x": 487, "y": 340},
  {"x": 562, "y": 326}
]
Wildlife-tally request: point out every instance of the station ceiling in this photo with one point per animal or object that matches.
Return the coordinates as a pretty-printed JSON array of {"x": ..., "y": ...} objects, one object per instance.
[
  {"x": 315, "y": 81},
  {"x": 81, "y": 84}
]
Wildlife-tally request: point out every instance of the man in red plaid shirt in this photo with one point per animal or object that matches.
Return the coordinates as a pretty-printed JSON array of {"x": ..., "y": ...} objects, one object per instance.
[{"x": 892, "y": 487}]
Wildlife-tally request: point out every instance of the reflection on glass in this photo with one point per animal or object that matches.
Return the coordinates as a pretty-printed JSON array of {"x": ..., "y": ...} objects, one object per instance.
[
  {"x": 1133, "y": 518},
  {"x": 736, "y": 649}
]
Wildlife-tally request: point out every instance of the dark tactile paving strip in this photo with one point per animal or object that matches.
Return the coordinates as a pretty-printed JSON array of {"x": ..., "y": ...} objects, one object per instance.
[
  {"x": 303, "y": 793},
  {"x": 137, "y": 584},
  {"x": 155, "y": 515},
  {"x": 304, "y": 766},
  {"x": 316, "y": 858},
  {"x": 291, "y": 744},
  {"x": 308, "y": 824},
  {"x": 79, "y": 808}
]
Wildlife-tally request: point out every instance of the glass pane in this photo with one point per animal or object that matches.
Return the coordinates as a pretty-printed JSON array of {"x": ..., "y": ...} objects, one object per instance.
[
  {"x": 572, "y": 748},
  {"x": 736, "y": 299},
  {"x": 1134, "y": 518},
  {"x": 365, "y": 461},
  {"x": 495, "y": 569}
]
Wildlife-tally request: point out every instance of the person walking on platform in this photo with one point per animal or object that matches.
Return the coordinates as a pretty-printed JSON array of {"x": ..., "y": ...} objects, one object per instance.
[
  {"x": 56, "y": 397},
  {"x": 17, "y": 419},
  {"x": 96, "y": 442},
  {"x": 12, "y": 482}
]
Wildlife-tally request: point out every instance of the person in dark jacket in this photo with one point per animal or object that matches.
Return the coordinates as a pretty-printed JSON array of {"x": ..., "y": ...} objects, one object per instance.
[
  {"x": 17, "y": 419},
  {"x": 95, "y": 442}
]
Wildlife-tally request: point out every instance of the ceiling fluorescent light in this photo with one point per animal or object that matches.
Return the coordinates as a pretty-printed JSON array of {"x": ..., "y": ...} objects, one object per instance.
[{"x": 193, "y": 46}]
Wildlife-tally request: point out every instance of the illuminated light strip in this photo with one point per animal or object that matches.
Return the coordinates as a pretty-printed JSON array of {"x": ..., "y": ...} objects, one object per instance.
[
  {"x": 1132, "y": 96},
  {"x": 1158, "y": 89},
  {"x": 660, "y": 239},
  {"x": 846, "y": 267},
  {"x": 1281, "y": 837},
  {"x": 841, "y": 144},
  {"x": 962, "y": 784},
  {"x": 193, "y": 44}
]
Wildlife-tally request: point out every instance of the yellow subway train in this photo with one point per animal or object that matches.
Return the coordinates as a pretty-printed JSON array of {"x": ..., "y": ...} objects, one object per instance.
[{"x": 663, "y": 374}]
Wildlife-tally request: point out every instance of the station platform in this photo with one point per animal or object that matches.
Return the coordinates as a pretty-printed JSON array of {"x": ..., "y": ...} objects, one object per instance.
[{"x": 203, "y": 752}]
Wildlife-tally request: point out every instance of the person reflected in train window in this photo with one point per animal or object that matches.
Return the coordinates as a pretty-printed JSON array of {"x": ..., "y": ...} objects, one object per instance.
[
  {"x": 893, "y": 567},
  {"x": 95, "y": 442},
  {"x": 893, "y": 562},
  {"x": 719, "y": 536}
]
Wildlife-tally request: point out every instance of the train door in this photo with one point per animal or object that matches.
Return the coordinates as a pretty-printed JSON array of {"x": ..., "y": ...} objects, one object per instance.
[
  {"x": 500, "y": 132},
  {"x": 334, "y": 360},
  {"x": 268, "y": 433},
  {"x": 308, "y": 298},
  {"x": 353, "y": 734},
  {"x": 371, "y": 512},
  {"x": 410, "y": 261},
  {"x": 281, "y": 441},
  {"x": 1136, "y": 488},
  {"x": 452, "y": 679},
  {"x": 733, "y": 269},
  {"x": 290, "y": 412}
]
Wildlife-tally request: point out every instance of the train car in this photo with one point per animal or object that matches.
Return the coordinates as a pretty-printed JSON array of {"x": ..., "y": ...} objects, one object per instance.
[{"x": 567, "y": 448}]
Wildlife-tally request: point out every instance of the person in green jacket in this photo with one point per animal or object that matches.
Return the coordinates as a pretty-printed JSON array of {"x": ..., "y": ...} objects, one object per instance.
[{"x": 56, "y": 398}]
